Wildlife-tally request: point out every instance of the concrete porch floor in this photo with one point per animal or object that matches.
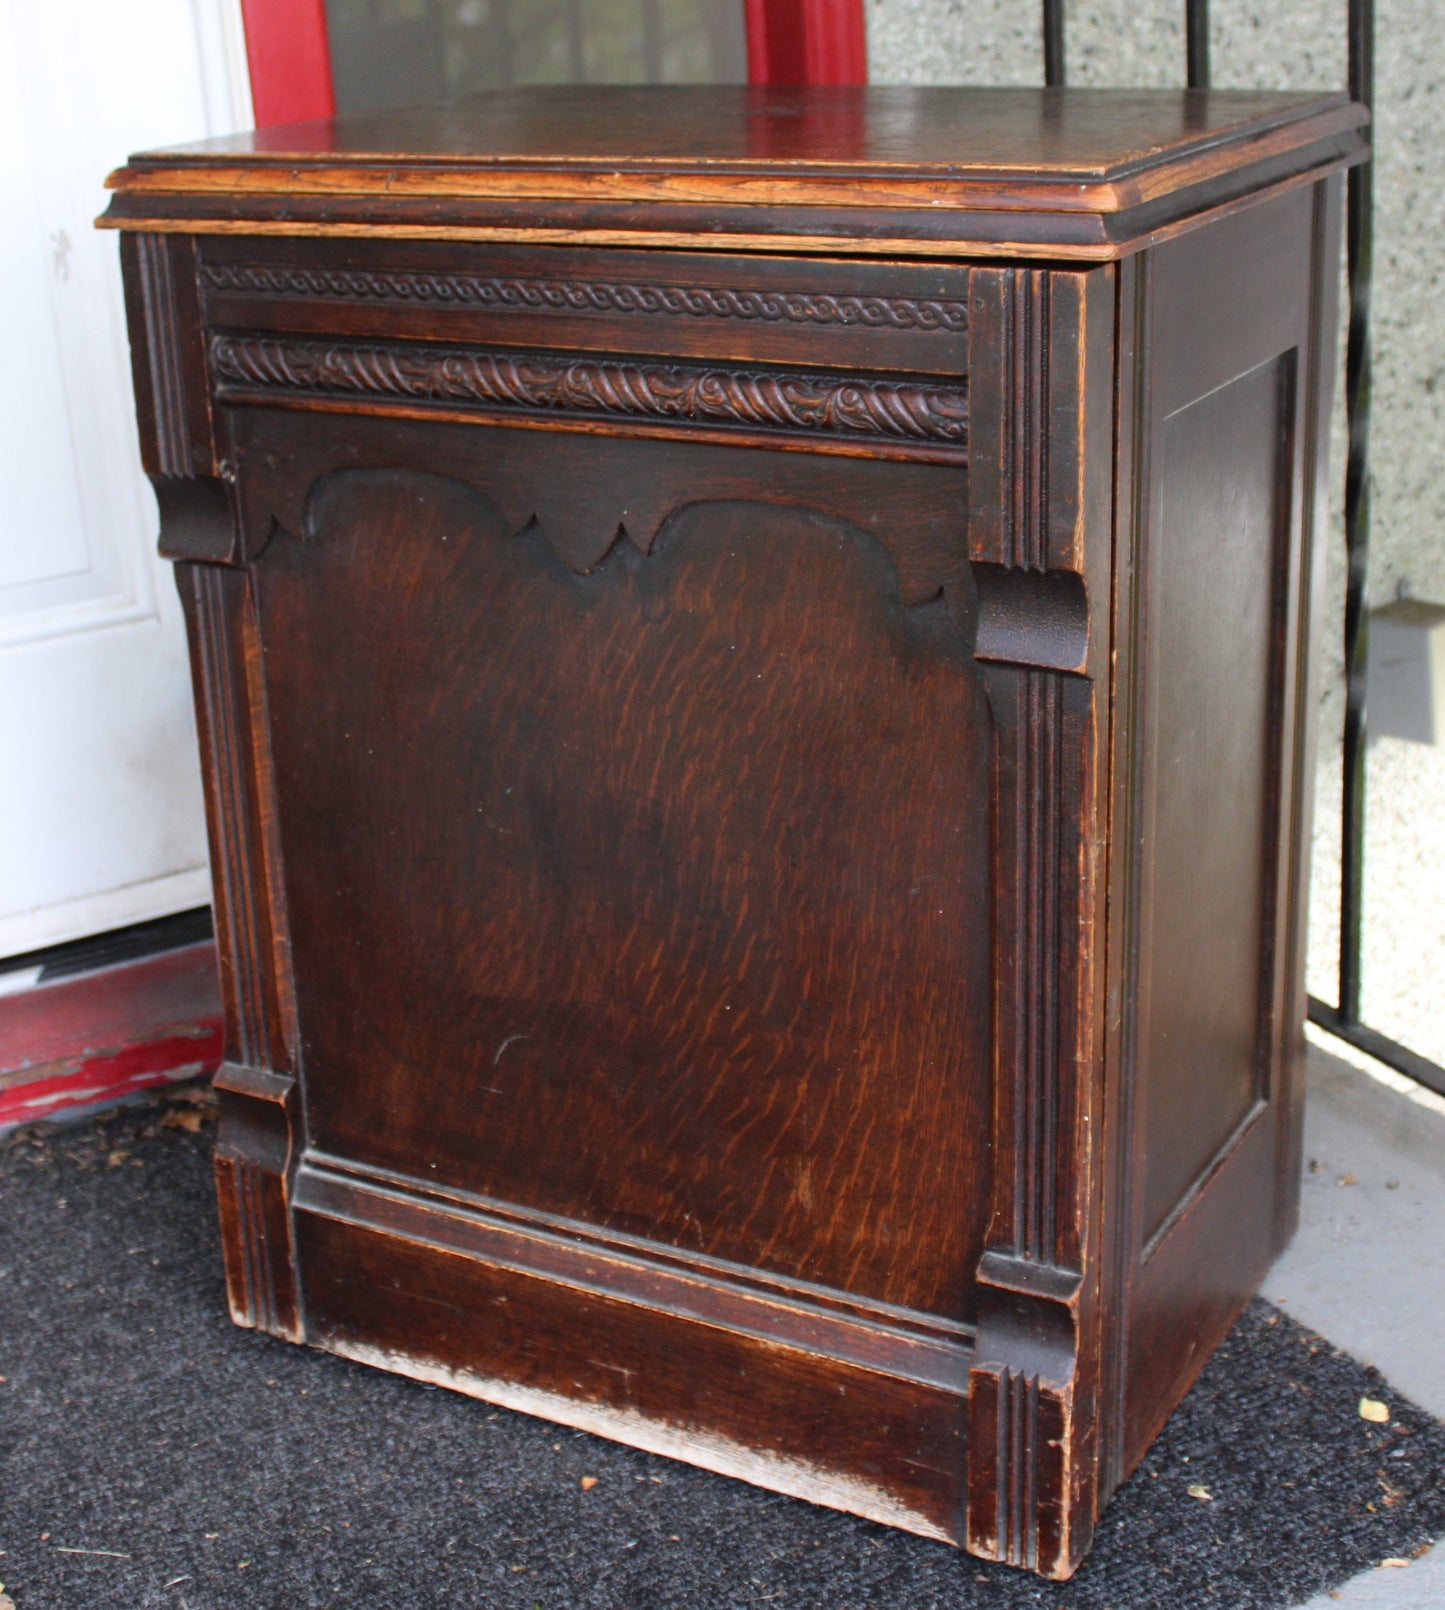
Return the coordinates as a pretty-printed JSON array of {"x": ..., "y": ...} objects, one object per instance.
[{"x": 1367, "y": 1267}]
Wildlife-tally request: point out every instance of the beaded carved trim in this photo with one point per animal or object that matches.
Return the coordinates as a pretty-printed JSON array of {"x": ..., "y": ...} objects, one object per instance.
[{"x": 588, "y": 296}]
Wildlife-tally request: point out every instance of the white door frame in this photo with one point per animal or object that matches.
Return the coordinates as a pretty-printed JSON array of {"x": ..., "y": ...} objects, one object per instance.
[{"x": 101, "y": 821}]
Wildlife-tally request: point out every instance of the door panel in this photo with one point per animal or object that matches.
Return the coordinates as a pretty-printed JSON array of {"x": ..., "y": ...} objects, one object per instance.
[
  {"x": 681, "y": 922},
  {"x": 101, "y": 820}
]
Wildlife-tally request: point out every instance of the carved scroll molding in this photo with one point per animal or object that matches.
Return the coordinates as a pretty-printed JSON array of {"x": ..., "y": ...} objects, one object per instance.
[
  {"x": 756, "y": 402},
  {"x": 436, "y": 288}
]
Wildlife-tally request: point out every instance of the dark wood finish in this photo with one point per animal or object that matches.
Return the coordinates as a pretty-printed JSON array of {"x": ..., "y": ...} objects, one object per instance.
[
  {"x": 1010, "y": 172},
  {"x": 1231, "y": 436},
  {"x": 759, "y": 799}
]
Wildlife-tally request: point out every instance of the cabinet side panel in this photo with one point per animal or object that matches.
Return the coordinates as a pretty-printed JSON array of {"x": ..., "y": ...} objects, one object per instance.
[
  {"x": 1210, "y": 666},
  {"x": 1223, "y": 565}
]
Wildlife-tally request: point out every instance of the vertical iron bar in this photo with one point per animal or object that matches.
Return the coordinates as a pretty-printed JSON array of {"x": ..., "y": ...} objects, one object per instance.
[
  {"x": 1054, "y": 42},
  {"x": 1359, "y": 236},
  {"x": 1196, "y": 39}
]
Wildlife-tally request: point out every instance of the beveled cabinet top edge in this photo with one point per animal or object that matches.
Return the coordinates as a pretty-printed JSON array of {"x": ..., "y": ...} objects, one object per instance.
[{"x": 875, "y": 168}]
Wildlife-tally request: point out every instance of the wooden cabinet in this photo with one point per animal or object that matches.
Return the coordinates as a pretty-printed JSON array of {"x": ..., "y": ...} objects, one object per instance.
[{"x": 751, "y": 649}]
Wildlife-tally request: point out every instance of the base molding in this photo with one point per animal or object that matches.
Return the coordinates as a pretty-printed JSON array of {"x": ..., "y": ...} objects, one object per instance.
[
  {"x": 779, "y": 1473},
  {"x": 916, "y": 1347},
  {"x": 583, "y": 1343}
]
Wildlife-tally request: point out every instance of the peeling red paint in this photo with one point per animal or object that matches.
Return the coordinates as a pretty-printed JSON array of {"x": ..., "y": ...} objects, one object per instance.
[{"x": 90, "y": 1041}]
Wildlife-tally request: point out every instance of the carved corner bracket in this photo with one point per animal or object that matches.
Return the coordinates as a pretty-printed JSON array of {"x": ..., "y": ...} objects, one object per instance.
[
  {"x": 172, "y": 380},
  {"x": 255, "y": 1162}
]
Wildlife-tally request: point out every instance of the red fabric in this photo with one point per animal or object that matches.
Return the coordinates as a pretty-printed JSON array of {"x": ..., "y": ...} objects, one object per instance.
[
  {"x": 290, "y": 60},
  {"x": 806, "y": 42}
]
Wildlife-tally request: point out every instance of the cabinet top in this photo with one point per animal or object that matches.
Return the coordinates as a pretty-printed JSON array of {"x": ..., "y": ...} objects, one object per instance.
[{"x": 1029, "y": 172}]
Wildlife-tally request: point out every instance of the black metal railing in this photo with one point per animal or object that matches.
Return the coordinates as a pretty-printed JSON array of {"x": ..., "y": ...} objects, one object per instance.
[
  {"x": 1054, "y": 69},
  {"x": 1343, "y": 1020},
  {"x": 1196, "y": 43}
]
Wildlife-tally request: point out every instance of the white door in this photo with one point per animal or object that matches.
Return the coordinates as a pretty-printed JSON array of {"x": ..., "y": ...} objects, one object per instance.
[{"x": 101, "y": 819}]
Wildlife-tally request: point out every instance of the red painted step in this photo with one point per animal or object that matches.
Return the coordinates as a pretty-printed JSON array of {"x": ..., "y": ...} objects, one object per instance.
[{"x": 87, "y": 1042}]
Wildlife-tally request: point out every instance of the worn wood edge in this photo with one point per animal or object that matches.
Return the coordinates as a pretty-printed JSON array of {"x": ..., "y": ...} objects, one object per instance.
[
  {"x": 1002, "y": 187},
  {"x": 260, "y": 1084},
  {"x": 370, "y": 180},
  {"x": 795, "y": 1477},
  {"x": 1150, "y": 181},
  {"x": 1319, "y": 382},
  {"x": 1120, "y": 879},
  {"x": 917, "y": 1348},
  {"x": 1091, "y": 237},
  {"x": 839, "y": 245}
]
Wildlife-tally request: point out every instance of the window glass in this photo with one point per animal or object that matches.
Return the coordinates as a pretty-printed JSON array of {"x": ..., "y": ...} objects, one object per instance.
[{"x": 402, "y": 52}]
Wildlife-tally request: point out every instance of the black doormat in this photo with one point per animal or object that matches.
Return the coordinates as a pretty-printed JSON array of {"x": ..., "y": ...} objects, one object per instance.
[{"x": 153, "y": 1455}]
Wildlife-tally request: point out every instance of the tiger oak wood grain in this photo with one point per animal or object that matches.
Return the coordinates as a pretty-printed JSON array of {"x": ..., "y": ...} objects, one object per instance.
[{"x": 752, "y": 654}]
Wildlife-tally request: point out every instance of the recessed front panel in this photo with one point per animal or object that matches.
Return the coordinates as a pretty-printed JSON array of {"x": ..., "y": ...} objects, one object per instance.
[{"x": 651, "y": 892}]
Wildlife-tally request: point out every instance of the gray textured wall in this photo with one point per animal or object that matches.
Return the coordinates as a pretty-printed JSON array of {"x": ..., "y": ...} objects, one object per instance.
[{"x": 1300, "y": 44}]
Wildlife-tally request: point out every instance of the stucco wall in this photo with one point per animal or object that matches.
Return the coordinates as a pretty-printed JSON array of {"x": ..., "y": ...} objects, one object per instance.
[{"x": 1300, "y": 44}]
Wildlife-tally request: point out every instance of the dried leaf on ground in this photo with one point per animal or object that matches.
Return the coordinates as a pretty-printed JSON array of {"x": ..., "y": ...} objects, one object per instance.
[
  {"x": 188, "y": 1118},
  {"x": 1373, "y": 1410},
  {"x": 1395, "y": 1564},
  {"x": 588, "y": 1483},
  {"x": 1196, "y": 1491}
]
